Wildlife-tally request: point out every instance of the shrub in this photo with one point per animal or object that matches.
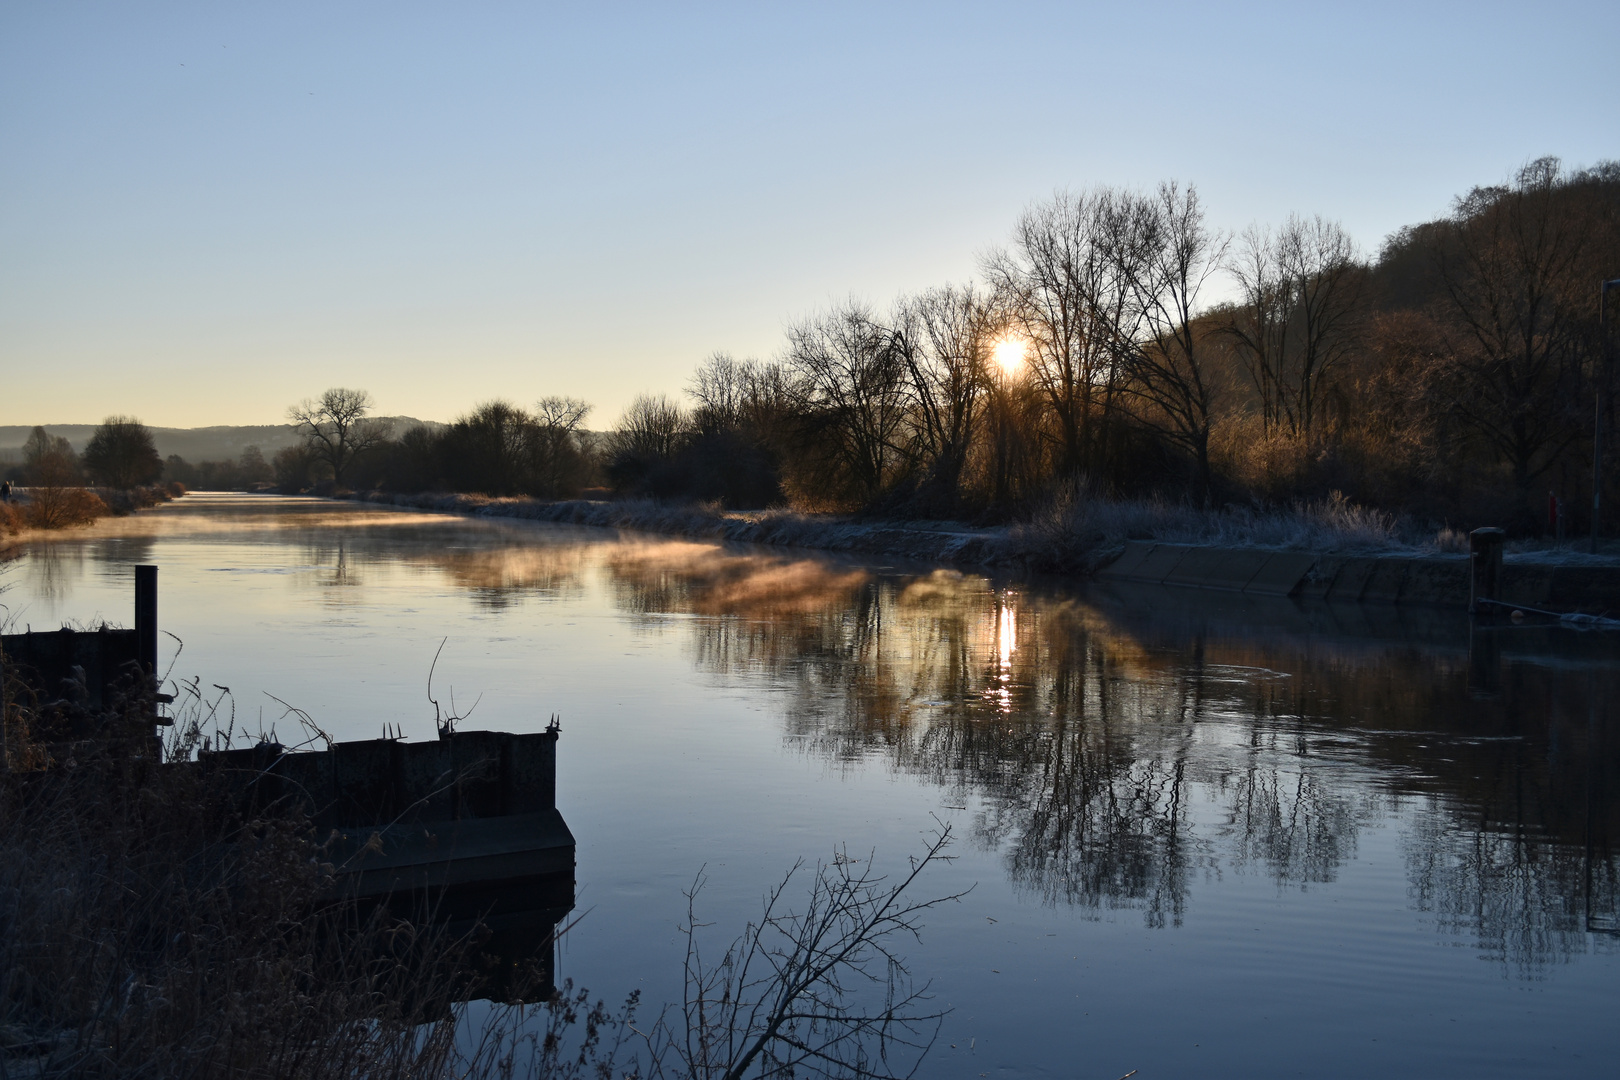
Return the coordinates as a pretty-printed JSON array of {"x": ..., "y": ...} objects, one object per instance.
[{"x": 64, "y": 507}]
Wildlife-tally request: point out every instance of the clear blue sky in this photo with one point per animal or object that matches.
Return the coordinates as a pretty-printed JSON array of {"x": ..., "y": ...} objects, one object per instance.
[{"x": 208, "y": 211}]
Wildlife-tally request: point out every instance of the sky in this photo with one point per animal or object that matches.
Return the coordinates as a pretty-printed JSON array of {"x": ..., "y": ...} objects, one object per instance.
[{"x": 210, "y": 211}]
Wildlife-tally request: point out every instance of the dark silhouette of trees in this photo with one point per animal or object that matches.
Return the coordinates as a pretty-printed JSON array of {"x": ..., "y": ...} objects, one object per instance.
[
  {"x": 49, "y": 459},
  {"x": 852, "y": 394},
  {"x": 944, "y": 338},
  {"x": 56, "y": 499},
  {"x": 336, "y": 429},
  {"x": 1443, "y": 379},
  {"x": 1061, "y": 285},
  {"x": 1168, "y": 255},
  {"x": 1296, "y": 322},
  {"x": 1512, "y": 268},
  {"x": 121, "y": 454},
  {"x": 641, "y": 447},
  {"x": 501, "y": 449}
]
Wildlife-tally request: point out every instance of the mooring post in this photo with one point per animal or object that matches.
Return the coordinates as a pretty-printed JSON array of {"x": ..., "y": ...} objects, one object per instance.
[
  {"x": 146, "y": 618},
  {"x": 1485, "y": 570}
]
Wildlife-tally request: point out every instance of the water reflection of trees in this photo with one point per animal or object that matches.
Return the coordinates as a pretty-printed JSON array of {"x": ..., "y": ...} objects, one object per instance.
[
  {"x": 1115, "y": 754},
  {"x": 1114, "y": 761}
]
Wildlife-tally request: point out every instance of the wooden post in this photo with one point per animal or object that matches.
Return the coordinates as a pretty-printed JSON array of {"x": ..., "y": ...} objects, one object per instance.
[
  {"x": 146, "y": 618},
  {"x": 1485, "y": 571}
]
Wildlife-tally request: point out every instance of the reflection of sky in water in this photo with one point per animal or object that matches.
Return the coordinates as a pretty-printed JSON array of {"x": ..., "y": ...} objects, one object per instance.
[{"x": 1211, "y": 837}]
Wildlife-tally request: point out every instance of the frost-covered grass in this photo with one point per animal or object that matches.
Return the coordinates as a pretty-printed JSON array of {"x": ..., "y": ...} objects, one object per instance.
[
  {"x": 1072, "y": 534},
  {"x": 1078, "y": 532},
  {"x": 1566, "y": 553}
]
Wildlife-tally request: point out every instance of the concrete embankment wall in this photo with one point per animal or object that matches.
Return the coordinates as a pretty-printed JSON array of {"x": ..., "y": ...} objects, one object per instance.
[{"x": 1440, "y": 581}]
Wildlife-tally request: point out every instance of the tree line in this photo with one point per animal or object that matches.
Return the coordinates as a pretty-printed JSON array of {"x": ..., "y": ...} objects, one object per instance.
[{"x": 1118, "y": 345}]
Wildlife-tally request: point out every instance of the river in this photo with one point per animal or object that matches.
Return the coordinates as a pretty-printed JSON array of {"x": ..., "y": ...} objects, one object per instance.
[{"x": 1204, "y": 835}]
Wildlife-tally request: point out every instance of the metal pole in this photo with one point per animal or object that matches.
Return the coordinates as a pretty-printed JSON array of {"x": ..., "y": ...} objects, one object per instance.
[{"x": 1598, "y": 396}]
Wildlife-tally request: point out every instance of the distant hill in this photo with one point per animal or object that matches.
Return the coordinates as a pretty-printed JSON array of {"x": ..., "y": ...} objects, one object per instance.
[{"x": 221, "y": 443}]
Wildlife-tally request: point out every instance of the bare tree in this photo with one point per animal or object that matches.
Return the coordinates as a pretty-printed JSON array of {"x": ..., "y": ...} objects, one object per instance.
[
  {"x": 335, "y": 427},
  {"x": 652, "y": 426},
  {"x": 1512, "y": 274},
  {"x": 943, "y": 337},
  {"x": 1301, "y": 303},
  {"x": 1062, "y": 286},
  {"x": 558, "y": 461},
  {"x": 854, "y": 396},
  {"x": 648, "y": 435},
  {"x": 55, "y": 499},
  {"x": 1167, "y": 255},
  {"x": 788, "y": 996}
]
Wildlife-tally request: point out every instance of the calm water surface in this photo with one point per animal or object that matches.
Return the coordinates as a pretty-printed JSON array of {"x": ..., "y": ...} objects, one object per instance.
[{"x": 1207, "y": 836}]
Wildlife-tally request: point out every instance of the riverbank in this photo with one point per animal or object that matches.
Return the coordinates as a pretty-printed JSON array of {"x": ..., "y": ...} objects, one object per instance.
[
  {"x": 30, "y": 513},
  {"x": 1330, "y": 552}
]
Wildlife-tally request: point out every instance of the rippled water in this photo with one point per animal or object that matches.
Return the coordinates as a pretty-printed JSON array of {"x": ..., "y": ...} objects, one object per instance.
[{"x": 1207, "y": 836}]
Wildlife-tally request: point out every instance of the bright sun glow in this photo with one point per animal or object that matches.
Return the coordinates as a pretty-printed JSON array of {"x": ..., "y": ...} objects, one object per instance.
[{"x": 1009, "y": 354}]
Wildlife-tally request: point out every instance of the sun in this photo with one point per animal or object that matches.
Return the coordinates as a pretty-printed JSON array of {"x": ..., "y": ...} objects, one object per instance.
[{"x": 1009, "y": 354}]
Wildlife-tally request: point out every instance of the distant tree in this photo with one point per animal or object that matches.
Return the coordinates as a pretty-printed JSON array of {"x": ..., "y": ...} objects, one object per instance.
[
  {"x": 254, "y": 468},
  {"x": 121, "y": 454},
  {"x": 741, "y": 426},
  {"x": 488, "y": 449},
  {"x": 49, "y": 458},
  {"x": 649, "y": 434},
  {"x": 335, "y": 427},
  {"x": 1061, "y": 287},
  {"x": 415, "y": 461},
  {"x": 558, "y": 463},
  {"x": 943, "y": 338},
  {"x": 294, "y": 467}
]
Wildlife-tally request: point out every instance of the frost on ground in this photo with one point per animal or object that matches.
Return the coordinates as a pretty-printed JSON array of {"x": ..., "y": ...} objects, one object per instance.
[
  {"x": 1076, "y": 533},
  {"x": 1083, "y": 533}
]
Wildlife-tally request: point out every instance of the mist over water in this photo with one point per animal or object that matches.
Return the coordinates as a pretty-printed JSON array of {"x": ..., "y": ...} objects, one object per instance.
[{"x": 1207, "y": 835}]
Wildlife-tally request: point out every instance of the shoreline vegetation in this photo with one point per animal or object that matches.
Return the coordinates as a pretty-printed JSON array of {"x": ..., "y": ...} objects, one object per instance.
[
  {"x": 56, "y": 487},
  {"x": 1077, "y": 537},
  {"x": 153, "y": 923},
  {"x": 1073, "y": 538},
  {"x": 30, "y": 511},
  {"x": 1120, "y": 368}
]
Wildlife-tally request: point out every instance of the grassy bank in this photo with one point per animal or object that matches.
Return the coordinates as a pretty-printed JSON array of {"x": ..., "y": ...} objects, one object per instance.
[
  {"x": 48, "y": 509},
  {"x": 1072, "y": 535}
]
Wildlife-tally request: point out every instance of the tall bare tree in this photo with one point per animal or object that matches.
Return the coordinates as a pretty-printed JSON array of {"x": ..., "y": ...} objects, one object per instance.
[
  {"x": 854, "y": 394},
  {"x": 1168, "y": 254},
  {"x": 1297, "y": 321},
  {"x": 1518, "y": 292},
  {"x": 335, "y": 427},
  {"x": 1061, "y": 286},
  {"x": 943, "y": 336},
  {"x": 557, "y": 460}
]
